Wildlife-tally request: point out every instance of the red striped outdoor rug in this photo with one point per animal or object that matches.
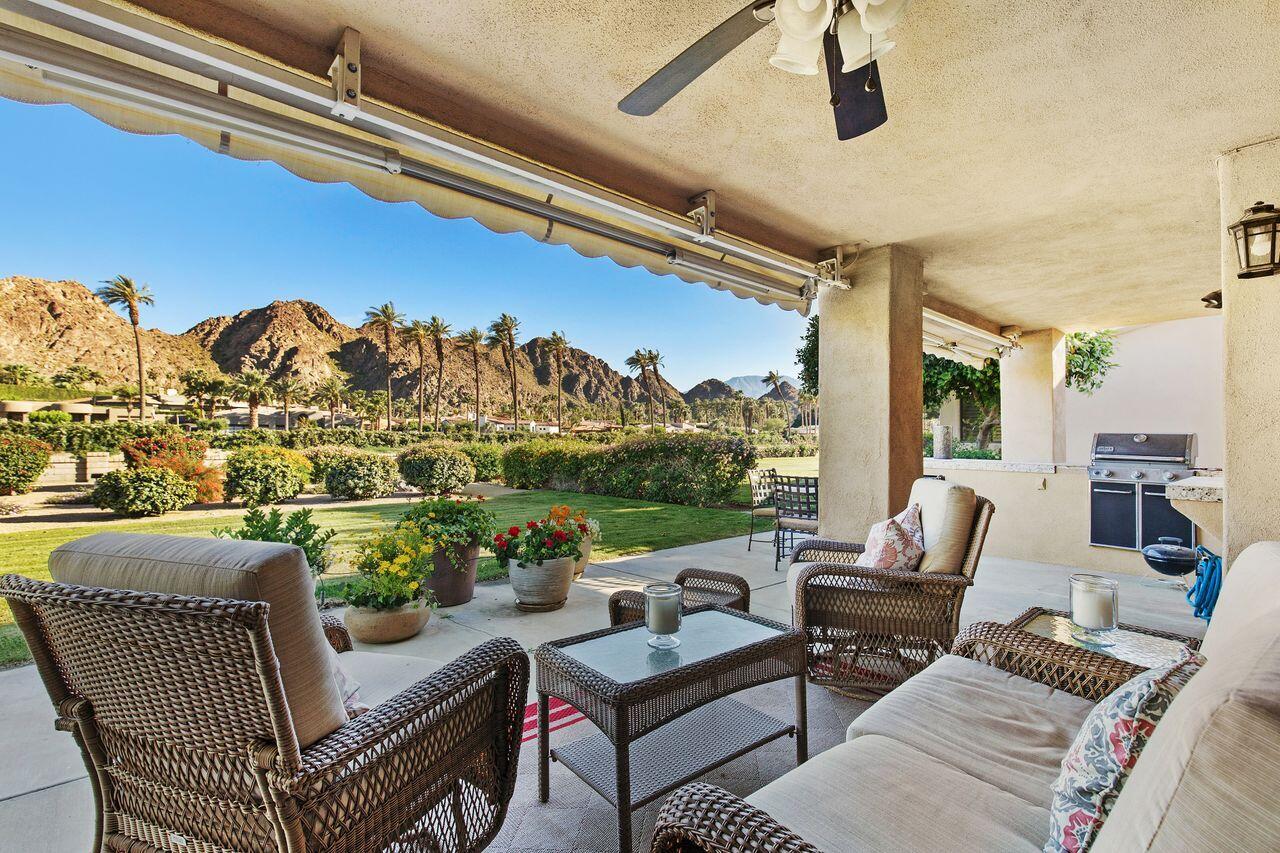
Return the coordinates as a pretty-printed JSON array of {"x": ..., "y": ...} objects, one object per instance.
[{"x": 561, "y": 715}]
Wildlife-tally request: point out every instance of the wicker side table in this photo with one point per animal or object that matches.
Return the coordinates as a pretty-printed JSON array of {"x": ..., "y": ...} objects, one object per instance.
[
  {"x": 1135, "y": 644},
  {"x": 664, "y": 716}
]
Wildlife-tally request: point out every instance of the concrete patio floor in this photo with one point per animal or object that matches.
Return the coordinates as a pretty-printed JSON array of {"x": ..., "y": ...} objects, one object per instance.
[{"x": 46, "y": 803}]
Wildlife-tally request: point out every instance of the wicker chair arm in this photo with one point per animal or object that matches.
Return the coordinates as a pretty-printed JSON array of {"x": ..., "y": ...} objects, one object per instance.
[
  {"x": 713, "y": 581},
  {"x": 335, "y": 631},
  {"x": 826, "y": 550},
  {"x": 1082, "y": 672},
  {"x": 427, "y": 711},
  {"x": 883, "y": 577},
  {"x": 704, "y": 817},
  {"x": 626, "y": 605}
]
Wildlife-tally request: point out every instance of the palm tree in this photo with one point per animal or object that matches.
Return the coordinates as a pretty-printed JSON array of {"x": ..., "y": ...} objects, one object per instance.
[
  {"x": 472, "y": 339},
  {"x": 123, "y": 291},
  {"x": 331, "y": 393},
  {"x": 289, "y": 388},
  {"x": 655, "y": 361},
  {"x": 558, "y": 346},
  {"x": 502, "y": 333},
  {"x": 639, "y": 360},
  {"x": 254, "y": 388},
  {"x": 128, "y": 393},
  {"x": 416, "y": 334},
  {"x": 437, "y": 331},
  {"x": 774, "y": 379},
  {"x": 386, "y": 319}
]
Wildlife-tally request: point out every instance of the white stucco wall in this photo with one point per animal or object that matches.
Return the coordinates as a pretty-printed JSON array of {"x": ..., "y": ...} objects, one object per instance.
[{"x": 1169, "y": 379}]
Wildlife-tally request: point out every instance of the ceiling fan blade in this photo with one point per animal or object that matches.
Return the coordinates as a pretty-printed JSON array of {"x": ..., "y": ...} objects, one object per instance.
[
  {"x": 669, "y": 80},
  {"x": 857, "y": 110}
]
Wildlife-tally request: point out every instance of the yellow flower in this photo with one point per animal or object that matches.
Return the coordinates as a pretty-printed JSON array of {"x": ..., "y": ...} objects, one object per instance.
[{"x": 413, "y": 586}]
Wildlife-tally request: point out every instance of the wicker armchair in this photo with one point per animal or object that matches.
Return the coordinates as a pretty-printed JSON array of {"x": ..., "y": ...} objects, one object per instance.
[
  {"x": 701, "y": 586},
  {"x": 179, "y": 709},
  {"x": 871, "y": 629}
]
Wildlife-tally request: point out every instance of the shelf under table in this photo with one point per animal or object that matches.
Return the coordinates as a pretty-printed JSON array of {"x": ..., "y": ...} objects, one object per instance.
[{"x": 676, "y": 753}]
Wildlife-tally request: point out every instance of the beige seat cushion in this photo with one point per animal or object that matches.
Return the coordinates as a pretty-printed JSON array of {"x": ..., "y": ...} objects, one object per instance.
[
  {"x": 765, "y": 512},
  {"x": 1207, "y": 779},
  {"x": 946, "y": 516},
  {"x": 382, "y": 676},
  {"x": 876, "y": 794},
  {"x": 222, "y": 568},
  {"x": 787, "y": 522},
  {"x": 1008, "y": 731}
]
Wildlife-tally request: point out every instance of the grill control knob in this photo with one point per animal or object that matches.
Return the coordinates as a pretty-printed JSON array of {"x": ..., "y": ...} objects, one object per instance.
[
  {"x": 1169, "y": 476},
  {"x": 1106, "y": 472},
  {"x": 1137, "y": 475}
]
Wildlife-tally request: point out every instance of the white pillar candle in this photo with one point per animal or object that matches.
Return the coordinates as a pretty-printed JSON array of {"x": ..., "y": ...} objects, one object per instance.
[
  {"x": 662, "y": 608},
  {"x": 1093, "y": 602}
]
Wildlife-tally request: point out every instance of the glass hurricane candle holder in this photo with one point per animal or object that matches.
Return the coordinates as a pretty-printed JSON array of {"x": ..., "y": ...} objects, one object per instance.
[
  {"x": 662, "y": 614},
  {"x": 1095, "y": 608}
]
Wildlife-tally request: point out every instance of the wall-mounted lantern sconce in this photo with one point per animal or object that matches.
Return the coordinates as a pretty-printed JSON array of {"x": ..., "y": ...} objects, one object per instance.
[{"x": 1256, "y": 243}]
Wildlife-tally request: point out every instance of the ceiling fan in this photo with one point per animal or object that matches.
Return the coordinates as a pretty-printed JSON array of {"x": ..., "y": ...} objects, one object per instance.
[{"x": 850, "y": 34}]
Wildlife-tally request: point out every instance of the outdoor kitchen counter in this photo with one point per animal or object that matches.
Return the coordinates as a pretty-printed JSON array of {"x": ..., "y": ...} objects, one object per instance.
[{"x": 1200, "y": 499}]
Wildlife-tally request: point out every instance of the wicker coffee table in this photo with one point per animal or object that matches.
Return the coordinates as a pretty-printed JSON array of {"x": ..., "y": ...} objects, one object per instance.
[
  {"x": 663, "y": 716},
  {"x": 1144, "y": 647}
]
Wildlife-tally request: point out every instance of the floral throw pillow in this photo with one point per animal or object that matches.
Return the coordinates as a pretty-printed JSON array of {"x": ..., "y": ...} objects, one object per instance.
[
  {"x": 1106, "y": 749},
  {"x": 890, "y": 545}
]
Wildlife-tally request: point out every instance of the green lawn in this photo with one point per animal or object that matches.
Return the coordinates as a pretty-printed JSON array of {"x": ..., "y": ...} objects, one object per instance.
[
  {"x": 792, "y": 466},
  {"x": 629, "y": 527}
]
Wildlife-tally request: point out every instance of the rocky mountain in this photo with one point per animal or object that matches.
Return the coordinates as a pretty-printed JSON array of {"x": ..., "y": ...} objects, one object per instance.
[
  {"x": 789, "y": 392},
  {"x": 708, "y": 389},
  {"x": 50, "y": 325},
  {"x": 754, "y": 386}
]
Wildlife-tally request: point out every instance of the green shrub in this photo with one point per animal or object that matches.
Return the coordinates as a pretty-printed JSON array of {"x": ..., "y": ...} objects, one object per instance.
[
  {"x": 322, "y": 458},
  {"x": 297, "y": 528},
  {"x": 247, "y": 438},
  {"x": 436, "y": 469},
  {"x": 265, "y": 475},
  {"x": 183, "y": 456},
  {"x": 487, "y": 459},
  {"x": 784, "y": 448},
  {"x": 49, "y": 393},
  {"x": 549, "y": 463},
  {"x": 82, "y": 438},
  {"x": 22, "y": 461},
  {"x": 49, "y": 416},
  {"x": 137, "y": 492},
  {"x": 362, "y": 475}
]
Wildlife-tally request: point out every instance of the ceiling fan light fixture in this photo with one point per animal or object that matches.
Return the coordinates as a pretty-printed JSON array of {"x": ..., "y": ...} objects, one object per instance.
[
  {"x": 800, "y": 44},
  {"x": 880, "y": 17},
  {"x": 857, "y": 46}
]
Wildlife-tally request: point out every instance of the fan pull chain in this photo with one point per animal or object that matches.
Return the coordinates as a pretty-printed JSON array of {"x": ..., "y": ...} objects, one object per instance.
[{"x": 871, "y": 43}]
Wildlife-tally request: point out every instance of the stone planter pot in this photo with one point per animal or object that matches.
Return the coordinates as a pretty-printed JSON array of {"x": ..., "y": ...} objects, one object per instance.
[
  {"x": 386, "y": 626},
  {"x": 580, "y": 565},
  {"x": 542, "y": 588},
  {"x": 454, "y": 586}
]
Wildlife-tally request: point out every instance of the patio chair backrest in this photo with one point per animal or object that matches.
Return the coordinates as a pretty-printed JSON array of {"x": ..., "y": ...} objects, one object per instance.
[
  {"x": 795, "y": 497},
  {"x": 761, "y": 480},
  {"x": 1208, "y": 778},
  {"x": 173, "y": 699}
]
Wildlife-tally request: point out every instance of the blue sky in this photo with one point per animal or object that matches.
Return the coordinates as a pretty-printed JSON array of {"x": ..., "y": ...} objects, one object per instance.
[{"x": 214, "y": 235}]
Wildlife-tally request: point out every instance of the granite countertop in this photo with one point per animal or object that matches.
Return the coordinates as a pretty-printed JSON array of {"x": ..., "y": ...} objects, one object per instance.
[{"x": 1206, "y": 489}]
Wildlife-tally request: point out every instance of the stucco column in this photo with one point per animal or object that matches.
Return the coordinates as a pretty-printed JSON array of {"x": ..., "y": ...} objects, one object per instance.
[
  {"x": 1251, "y": 383},
  {"x": 1033, "y": 389},
  {"x": 870, "y": 384}
]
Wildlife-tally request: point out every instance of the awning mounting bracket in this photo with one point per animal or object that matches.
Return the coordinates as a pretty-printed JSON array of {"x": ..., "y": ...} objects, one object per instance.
[
  {"x": 703, "y": 215},
  {"x": 345, "y": 73},
  {"x": 831, "y": 268}
]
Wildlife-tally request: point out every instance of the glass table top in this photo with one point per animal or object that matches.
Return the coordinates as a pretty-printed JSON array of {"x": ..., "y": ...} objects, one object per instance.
[
  {"x": 627, "y": 656},
  {"x": 1141, "y": 649}
]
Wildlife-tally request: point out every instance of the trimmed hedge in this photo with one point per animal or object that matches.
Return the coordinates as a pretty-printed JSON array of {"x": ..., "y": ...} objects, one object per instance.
[
  {"x": 266, "y": 475},
  {"x": 784, "y": 449},
  {"x": 487, "y": 459},
  {"x": 362, "y": 475},
  {"x": 436, "y": 469},
  {"x": 689, "y": 469},
  {"x": 138, "y": 492},
  {"x": 22, "y": 461},
  {"x": 323, "y": 457},
  {"x": 49, "y": 416},
  {"x": 82, "y": 438}
]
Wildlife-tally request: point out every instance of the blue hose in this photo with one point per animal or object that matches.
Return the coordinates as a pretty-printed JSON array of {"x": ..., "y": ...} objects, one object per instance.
[{"x": 1203, "y": 594}]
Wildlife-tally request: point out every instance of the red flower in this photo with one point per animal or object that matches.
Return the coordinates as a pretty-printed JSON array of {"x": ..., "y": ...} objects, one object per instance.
[
  {"x": 499, "y": 540},
  {"x": 547, "y": 543},
  {"x": 532, "y": 525},
  {"x": 560, "y": 535},
  {"x": 582, "y": 528},
  {"x": 514, "y": 531}
]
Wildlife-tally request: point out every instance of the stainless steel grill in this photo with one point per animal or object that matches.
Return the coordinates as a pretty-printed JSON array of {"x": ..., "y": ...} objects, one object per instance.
[{"x": 1127, "y": 477}]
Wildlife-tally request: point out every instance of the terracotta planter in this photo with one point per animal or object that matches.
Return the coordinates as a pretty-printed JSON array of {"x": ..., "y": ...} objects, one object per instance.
[
  {"x": 542, "y": 588},
  {"x": 454, "y": 586},
  {"x": 581, "y": 565},
  {"x": 386, "y": 626}
]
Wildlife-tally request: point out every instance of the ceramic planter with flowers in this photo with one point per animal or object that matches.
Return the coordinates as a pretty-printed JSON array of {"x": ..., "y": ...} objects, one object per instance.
[
  {"x": 454, "y": 528},
  {"x": 539, "y": 558},
  {"x": 589, "y": 528},
  {"x": 388, "y": 600}
]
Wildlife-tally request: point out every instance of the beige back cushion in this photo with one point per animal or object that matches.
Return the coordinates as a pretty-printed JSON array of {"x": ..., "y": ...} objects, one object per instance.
[
  {"x": 946, "y": 518},
  {"x": 1208, "y": 778},
  {"x": 221, "y": 568}
]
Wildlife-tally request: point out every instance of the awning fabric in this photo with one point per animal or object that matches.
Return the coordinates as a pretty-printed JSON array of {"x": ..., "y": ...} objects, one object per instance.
[{"x": 139, "y": 95}]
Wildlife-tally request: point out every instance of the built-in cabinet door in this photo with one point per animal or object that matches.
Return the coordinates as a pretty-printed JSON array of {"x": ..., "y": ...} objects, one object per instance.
[
  {"x": 1113, "y": 514},
  {"x": 1159, "y": 518}
]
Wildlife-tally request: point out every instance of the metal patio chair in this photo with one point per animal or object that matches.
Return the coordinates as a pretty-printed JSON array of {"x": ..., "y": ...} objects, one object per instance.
[
  {"x": 761, "y": 481},
  {"x": 796, "y": 502}
]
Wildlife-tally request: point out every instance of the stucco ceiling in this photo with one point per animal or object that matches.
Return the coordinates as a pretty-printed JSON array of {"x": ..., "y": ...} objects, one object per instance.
[{"x": 1052, "y": 160}]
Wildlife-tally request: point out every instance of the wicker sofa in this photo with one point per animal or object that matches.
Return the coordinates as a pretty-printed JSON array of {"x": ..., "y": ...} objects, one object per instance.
[
  {"x": 206, "y": 693},
  {"x": 962, "y": 756}
]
